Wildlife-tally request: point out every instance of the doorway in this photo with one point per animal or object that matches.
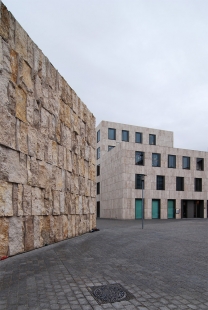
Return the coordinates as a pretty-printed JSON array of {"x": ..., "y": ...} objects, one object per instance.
[
  {"x": 98, "y": 209},
  {"x": 192, "y": 208},
  {"x": 138, "y": 209},
  {"x": 171, "y": 209},
  {"x": 155, "y": 208}
]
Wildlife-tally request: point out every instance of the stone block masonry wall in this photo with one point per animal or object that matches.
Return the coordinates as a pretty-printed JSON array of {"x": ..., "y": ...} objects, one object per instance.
[{"x": 47, "y": 148}]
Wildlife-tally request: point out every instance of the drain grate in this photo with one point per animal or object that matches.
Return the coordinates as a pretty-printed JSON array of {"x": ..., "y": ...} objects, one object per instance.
[{"x": 110, "y": 293}]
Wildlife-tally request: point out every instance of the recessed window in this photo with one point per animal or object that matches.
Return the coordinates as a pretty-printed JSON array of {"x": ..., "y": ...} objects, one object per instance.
[
  {"x": 125, "y": 135},
  {"x": 139, "y": 158},
  {"x": 160, "y": 182},
  {"x": 186, "y": 162},
  {"x": 111, "y": 134},
  {"x": 138, "y": 137},
  {"x": 98, "y": 152},
  {"x": 155, "y": 160},
  {"x": 200, "y": 164},
  {"x": 98, "y": 170},
  {"x": 198, "y": 185},
  {"x": 110, "y": 147},
  {"x": 98, "y": 135},
  {"x": 138, "y": 181},
  {"x": 171, "y": 161},
  {"x": 152, "y": 139},
  {"x": 180, "y": 183},
  {"x": 98, "y": 188}
]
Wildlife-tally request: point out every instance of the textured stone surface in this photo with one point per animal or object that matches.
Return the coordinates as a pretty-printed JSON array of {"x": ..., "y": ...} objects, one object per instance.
[
  {"x": 47, "y": 154},
  {"x": 4, "y": 236},
  {"x": 16, "y": 235},
  {"x": 6, "y": 199}
]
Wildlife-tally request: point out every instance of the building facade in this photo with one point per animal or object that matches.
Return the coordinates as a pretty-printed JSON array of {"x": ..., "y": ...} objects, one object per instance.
[{"x": 175, "y": 180}]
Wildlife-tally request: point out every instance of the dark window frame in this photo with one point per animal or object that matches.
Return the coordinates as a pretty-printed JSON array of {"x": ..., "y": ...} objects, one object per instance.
[
  {"x": 122, "y": 137},
  {"x": 198, "y": 184},
  {"x": 179, "y": 184},
  {"x": 98, "y": 152},
  {"x": 171, "y": 161},
  {"x": 98, "y": 188},
  {"x": 159, "y": 161},
  {"x": 141, "y": 162},
  {"x": 98, "y": 170},
  {"x": 138, "y": 181},
  {"x": 98, "y": 135},
  {"x": 110, "y": 147},
  {"x": 140, "y": 135},
  {"x": 152, "y": 139},
  {"x": 200, "y": 167},
  {"x": 111, "y": 130},
  {"x": 160, "y": 182},
  {"x": 186, "y": 162}
]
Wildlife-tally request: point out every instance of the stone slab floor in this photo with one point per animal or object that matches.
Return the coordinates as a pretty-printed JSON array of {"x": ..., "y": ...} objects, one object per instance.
[{"x": 165, "y": 266}]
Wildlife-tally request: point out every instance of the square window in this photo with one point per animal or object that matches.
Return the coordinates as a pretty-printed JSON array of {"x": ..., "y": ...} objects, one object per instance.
[
  {"x": 198, "y": 185},
  {"x": 180, "y": 183},
  {"x": 155, "y": 160},
  {"x": 139, "y": 158},
  {"x": 186, "y": 162},
  {"x": 125, "y": 135},
  {"x": 138, "y": 137},
  {"x": 98, "y": 152},
  {"x": 139, "y": 179},
  {"x": 98, "y": 135},
  {"x": 171, "y": 161},
  {"x": 98, "y": 188},
  {"x": 160, "y": 182},
  {"x": 152, "y": 139},
  {"x": 110, "y": 147},
  {"x": 111, "y": 134},
  {"x": 98, "y": 170},
  {"x": 200, "y": 164}
]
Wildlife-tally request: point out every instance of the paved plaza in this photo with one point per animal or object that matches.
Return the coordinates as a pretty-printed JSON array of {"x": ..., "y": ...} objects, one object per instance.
[{"x": 164, "y": 266}]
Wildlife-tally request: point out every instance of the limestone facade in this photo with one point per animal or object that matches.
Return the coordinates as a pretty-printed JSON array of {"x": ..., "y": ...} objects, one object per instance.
[
  {"x": 117, "y": 194},
  {"x": 47, "y": 148}
]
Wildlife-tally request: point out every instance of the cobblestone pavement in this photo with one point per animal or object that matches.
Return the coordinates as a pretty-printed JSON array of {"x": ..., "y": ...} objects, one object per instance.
[{"x": 165, "y": 266}]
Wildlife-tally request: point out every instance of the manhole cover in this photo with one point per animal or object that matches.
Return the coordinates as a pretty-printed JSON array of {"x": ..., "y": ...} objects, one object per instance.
[{"x": 110, "y": 293}]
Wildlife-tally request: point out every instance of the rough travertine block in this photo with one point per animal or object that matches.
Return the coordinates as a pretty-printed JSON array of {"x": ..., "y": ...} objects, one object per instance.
[
  {"x": 21, "y": 41},
  {"x": 6, "y": 208},
  {"x": 7, "y": 127},
  {"x": 16, "y": 235},
  {"x": 56, "y": 202},
  {"x": 27, "y": 200},
  {"x": 37, "y": 201},
  {"x": 65, "y": 226},
  {"x": 22, "y": 137},
  {"x": 12, "y": 168},
  {"x": 4, "y": 22},
  {"x": 29, "y": 233},
  {"x": 4, "y": 236},
  {"x": 46, "y": 145}
]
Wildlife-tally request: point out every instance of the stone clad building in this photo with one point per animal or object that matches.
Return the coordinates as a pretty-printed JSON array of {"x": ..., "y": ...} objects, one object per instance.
[
  {"x": 47, "y": 148},
  {"x": 175, "y": 182}
]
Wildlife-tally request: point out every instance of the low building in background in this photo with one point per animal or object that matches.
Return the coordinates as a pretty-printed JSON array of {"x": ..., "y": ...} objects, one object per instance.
[{"x": 175, "y": 182}]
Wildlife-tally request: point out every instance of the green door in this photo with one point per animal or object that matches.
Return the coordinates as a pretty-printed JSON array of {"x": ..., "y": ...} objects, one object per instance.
[
  {"x": 155, "y": 209},
  {"x": 171, "y": 209},
  {"x": 138, "y": 208}
]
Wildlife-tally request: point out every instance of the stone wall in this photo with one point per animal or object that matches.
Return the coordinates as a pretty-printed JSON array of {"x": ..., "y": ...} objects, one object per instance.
[{"x": 47, "y": 148}]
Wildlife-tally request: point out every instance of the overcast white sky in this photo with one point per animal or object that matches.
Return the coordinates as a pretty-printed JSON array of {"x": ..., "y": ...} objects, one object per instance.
[{"x": 139, "y": 62}]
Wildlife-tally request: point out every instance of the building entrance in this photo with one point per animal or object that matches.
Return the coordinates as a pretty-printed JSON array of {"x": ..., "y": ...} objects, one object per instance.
[{"x": 192, "y": 208}]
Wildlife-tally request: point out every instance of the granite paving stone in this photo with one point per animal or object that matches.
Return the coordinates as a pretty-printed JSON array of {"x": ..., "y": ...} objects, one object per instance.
[{"x": 164, "y": 266}]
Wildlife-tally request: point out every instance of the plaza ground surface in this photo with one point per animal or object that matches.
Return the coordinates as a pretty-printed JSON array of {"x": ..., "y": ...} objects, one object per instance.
[{"x": 165, "y": 266}]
